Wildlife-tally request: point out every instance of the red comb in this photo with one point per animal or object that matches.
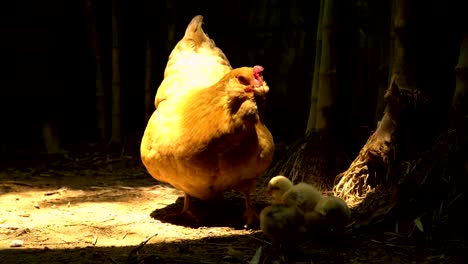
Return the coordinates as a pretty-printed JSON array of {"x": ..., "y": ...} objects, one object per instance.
[
  {"x": 257, "y": 72},
  {"x": 257, "y": 69}
]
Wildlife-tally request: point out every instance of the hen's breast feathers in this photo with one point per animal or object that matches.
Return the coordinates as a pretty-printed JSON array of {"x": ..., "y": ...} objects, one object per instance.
[
  {"x": 220, "y": 116},
  {"x": 194, "y": 63}
]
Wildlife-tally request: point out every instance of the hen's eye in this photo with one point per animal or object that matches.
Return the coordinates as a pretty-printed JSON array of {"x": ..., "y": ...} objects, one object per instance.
[{"x": 243, "y": 80}]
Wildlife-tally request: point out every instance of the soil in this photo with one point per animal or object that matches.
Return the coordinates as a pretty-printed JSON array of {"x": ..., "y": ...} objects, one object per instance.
[{"x": 105, "y": 208}]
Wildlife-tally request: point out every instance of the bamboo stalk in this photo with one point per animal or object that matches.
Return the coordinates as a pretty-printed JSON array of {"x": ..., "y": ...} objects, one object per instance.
[
  {"x": 311, "y": 123},
  {"x": 460, "y": 99},
  {"x": 100, "y": 93},
  {"x": 116, "y": 88}
]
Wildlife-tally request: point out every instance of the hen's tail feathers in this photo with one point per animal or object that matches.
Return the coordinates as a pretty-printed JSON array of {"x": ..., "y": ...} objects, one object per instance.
[
  {"x": 196, "y": 52},
  {"x": 195, "y": 34}
]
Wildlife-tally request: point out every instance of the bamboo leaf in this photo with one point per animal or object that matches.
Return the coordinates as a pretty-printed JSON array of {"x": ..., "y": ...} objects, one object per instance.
[{"x": 419, "y": 224}]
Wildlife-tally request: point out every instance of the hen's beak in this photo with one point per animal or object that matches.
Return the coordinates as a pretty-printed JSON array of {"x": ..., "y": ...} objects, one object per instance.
[{"x": 259, "y": 89}]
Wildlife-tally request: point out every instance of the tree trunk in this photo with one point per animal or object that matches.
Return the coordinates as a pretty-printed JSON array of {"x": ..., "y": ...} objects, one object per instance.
[
  {"x": 149, "y": 101},
  {"x": 116, "y": 88},
  {"x": 320, "y": 152},
  {"x": 380, "y": 76},
  {"x": 101, "y": 124},
  {"x": 326, "y": 97},
  {"x": 311, "y": 123},
  {"x": 371, "y": 166},
  {"x": 403, "y": 66}
]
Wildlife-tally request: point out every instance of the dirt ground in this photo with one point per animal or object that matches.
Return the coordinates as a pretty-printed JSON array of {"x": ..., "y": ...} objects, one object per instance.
[{"x": 105, "y": 208}]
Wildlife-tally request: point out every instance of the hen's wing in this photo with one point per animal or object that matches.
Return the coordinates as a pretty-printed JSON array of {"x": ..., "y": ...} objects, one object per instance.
[{"x": 194, "y": 63}]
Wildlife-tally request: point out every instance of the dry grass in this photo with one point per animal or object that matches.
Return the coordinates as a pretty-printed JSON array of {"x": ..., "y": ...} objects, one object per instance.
[{"x": 306, "y": 161}]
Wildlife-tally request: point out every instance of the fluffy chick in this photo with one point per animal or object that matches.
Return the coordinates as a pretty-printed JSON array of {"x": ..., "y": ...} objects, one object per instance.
[
  {"x": 302, "y": 195},
  {"x": 331, "y": 212},
  {"x": 277, "y": 186},
  {"x": 282, "y": 223}
]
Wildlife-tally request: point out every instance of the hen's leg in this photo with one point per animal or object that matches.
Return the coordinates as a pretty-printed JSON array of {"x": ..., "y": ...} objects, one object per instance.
[
  {"x": 188, "y": 207},
  {"x": 187, "y": 216},
  {"x": 250, "y": 215}
]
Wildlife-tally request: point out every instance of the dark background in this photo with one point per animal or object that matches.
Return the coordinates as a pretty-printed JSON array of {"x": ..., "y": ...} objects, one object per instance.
[{"x": 49, "y": 74}]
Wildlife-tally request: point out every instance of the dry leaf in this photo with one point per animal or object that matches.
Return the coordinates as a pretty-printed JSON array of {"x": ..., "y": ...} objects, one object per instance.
[{"x": 94, "y": 240}]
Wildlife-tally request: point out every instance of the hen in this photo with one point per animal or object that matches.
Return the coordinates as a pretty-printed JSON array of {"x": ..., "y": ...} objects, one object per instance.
[{"x": 207, "y": 134}]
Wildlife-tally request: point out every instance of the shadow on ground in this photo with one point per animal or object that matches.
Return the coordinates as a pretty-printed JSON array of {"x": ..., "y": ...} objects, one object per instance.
[{"x": 224, "y": 212}]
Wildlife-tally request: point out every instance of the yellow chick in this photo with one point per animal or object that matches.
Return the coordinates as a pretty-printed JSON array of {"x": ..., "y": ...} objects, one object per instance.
[
  {"x": 282, "y": 223},
  {"x": 331, "y": 212},
  {"x": 277, "y": 186},
  {"x": 302, "y": 195}
]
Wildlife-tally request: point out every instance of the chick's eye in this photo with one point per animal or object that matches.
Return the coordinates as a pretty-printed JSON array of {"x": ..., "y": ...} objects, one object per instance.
[{"x": 243, "y": 80}]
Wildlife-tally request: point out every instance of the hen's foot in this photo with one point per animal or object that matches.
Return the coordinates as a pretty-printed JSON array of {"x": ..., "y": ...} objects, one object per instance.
[
  {"x": 184, "y": 218},
  {"x": 187, "y": 217}
]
